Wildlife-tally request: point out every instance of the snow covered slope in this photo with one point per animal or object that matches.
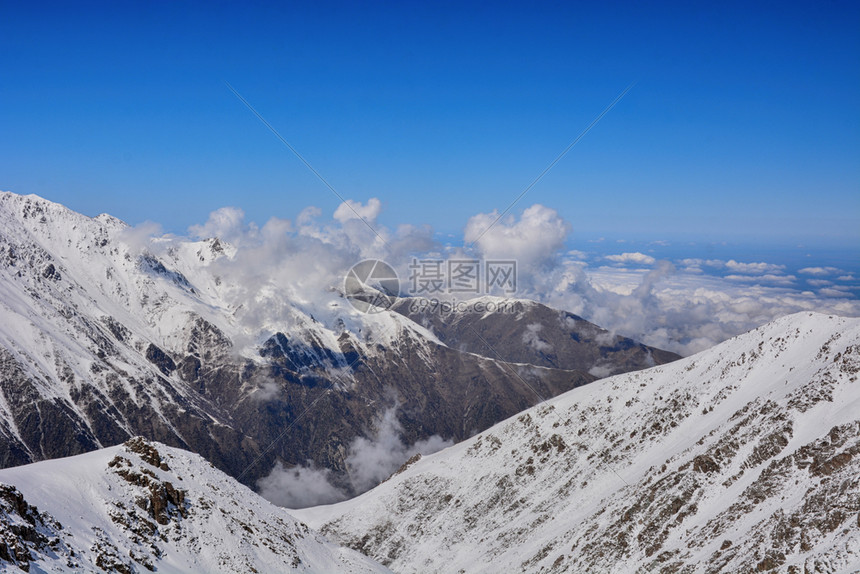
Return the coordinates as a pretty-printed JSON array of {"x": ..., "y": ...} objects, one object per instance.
[
  {"x": 742, "y": 458},
  {"x": 143, "y": 506}
]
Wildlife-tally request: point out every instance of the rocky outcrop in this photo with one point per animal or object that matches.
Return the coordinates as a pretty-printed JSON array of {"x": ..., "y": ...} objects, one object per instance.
[{"x": 24, "y": 531}]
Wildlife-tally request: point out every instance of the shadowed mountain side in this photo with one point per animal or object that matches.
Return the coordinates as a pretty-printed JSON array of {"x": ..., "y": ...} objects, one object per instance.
[{"x": 536, "y": 334}]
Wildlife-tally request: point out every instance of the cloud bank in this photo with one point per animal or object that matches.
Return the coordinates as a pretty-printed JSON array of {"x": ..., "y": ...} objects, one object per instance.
[{"x": 286, "y": 271}]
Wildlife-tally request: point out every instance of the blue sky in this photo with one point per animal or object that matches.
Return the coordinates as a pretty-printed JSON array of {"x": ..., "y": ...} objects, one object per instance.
[{"x": 743, "y": 124}]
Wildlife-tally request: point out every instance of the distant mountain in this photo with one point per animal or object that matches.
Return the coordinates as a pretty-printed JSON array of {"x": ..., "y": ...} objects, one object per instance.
[
  {"x": 144, "y": 507},
  {"x": 742, "y": 458},
  {"x": 104, "y": 337},
  {"x": 534, "y": 334}
]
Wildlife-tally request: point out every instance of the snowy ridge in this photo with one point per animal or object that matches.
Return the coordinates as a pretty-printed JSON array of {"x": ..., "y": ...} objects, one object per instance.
[
  {"x": 65, "y": 268},
  {"x": 745, "y": 457},
  {"x": 144, "y": 506},
  {"x": 78, "y": 308},
  {"x": 109, "y": 272}
]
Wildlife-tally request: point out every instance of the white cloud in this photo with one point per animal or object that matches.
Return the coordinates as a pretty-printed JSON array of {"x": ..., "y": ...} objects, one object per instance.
[
  {"x": 369, "y": 461},
  {"x": 226, "y": 223},
  {"x": 834, "y": 292},
  {"x": 350, "y": 209},
  {"x": 299, "y": 487},
  {"x": 635, "y": 257},
  {"x": 692, "y": 265},
  {"x": 372, "y": 460},
  {"x": 534, "y": 241},
  {"x": 601, "y": 371},
  {"x": 753, "y": 268},
  {"x": 308, "y": 215},
  {"x": 770, "y": 278},
  {"x": 276, "y": 230},
  {"x": 819, "y": 270},
  {"x": 531, "y": 337},
  {"x": 139, "y": 237},
  {"x": 734, "y": 266}
]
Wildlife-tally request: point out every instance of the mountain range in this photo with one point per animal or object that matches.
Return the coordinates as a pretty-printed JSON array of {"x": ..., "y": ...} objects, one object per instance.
[
  {"x": 742, "y": 458},
  {"x": 146, "y": 382},
  {"x": 105, "y": 336}
]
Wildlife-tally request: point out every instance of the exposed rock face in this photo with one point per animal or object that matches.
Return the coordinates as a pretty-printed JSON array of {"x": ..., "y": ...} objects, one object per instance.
[
  {"x": 24, "y": 530},
  {"x": 100, "y": 341},
  {"x": 144, "y": 507},
  {"x": 743, "y": 458}
]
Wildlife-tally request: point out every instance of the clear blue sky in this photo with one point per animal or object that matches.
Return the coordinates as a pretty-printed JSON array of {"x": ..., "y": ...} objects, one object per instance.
[{"x": 744, "y": 121}]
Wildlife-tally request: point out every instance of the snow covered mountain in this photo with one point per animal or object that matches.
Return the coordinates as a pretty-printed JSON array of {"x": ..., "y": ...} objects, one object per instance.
[
  {"x": 742, "y": 458},
  {"x": 143, "y": 506},
  {"x": 107, "y": 334}
]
